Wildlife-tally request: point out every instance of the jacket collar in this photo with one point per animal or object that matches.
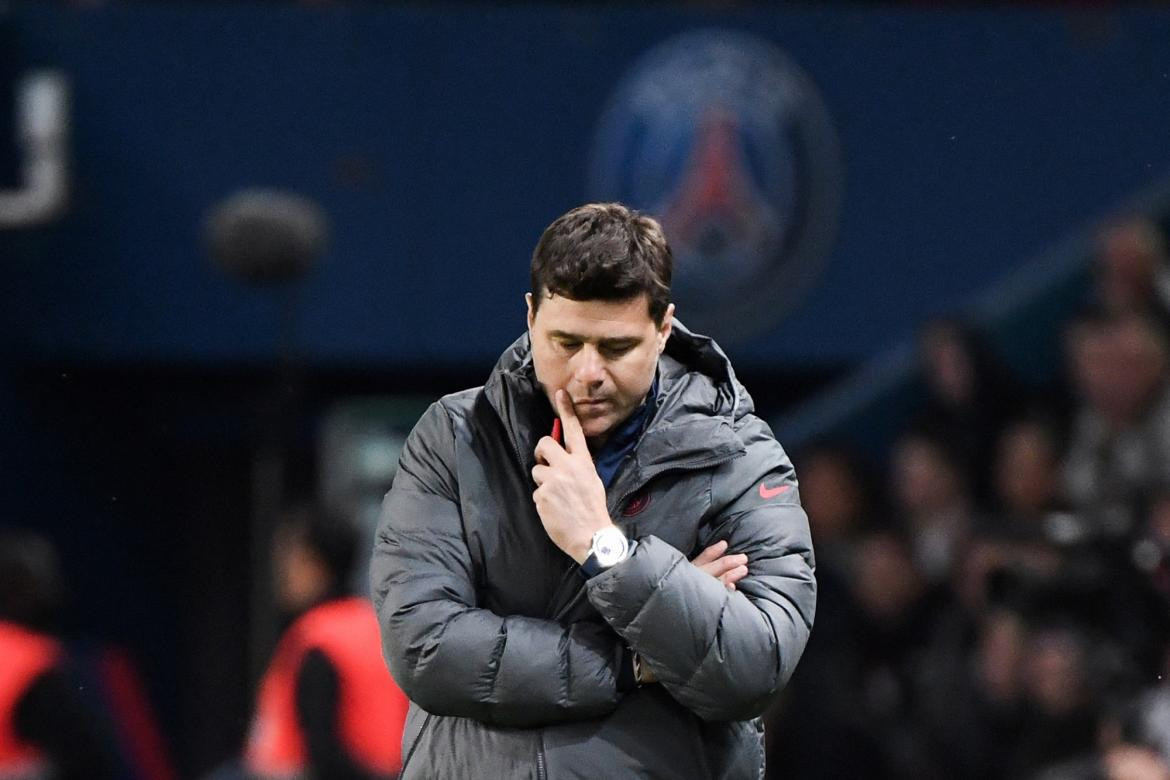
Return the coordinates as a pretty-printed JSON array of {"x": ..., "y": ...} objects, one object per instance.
[{"x": 699, "y": 400}]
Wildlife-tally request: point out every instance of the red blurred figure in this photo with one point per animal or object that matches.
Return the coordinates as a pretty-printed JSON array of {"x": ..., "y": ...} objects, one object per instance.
[
  {"x": 46, "y": 729},
  {"x": 327, "y": 705}
]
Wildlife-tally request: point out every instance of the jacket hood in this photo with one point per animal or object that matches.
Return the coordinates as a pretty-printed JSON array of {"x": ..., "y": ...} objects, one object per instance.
[{"x": 699, "y": 400}]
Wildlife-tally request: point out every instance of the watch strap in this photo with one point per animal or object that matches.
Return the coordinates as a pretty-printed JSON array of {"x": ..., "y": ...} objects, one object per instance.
[{"x": 590, "y": 568}]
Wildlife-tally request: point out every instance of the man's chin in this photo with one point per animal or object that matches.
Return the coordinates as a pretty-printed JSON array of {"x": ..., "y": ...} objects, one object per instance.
[
  {"x": 593, "y": 431},
  {"x": 597, "y": 427}
]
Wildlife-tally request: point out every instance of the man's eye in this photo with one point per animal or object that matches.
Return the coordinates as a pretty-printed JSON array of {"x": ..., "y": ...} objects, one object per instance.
[
  {"x": 617, "y": 351},
  {"x": 570, "y": 345}
]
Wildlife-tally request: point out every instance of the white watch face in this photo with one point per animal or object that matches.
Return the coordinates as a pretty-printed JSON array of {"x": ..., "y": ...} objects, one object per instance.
[{"x": 610, "y": 546}]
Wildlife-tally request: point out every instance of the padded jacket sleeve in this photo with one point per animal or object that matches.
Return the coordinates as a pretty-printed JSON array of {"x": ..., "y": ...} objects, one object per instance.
[
  {"x": 449, "y": 656},
  {"x": 724, "y": 654}
]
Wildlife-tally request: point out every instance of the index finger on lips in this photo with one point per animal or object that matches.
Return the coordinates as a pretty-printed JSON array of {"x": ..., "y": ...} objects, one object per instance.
[{"x": 574, "y": 435}]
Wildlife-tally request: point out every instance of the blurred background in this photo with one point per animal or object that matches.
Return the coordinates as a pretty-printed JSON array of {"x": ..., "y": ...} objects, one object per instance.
[{"x": 243, "y": 245}]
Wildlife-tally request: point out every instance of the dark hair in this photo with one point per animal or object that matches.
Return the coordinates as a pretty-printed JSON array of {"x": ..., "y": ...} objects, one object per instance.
[
  {"x": 603, "y": 251},
  {"x": 329, "y": 534},
  {"x": 31, "y": 586}
]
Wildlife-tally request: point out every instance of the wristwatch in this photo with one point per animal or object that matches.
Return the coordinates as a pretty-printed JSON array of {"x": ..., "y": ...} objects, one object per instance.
[{"x": 610, "y": 547}]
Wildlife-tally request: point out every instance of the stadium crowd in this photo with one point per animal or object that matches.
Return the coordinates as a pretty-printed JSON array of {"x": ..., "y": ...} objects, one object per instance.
[{"x": 993, "y": 598}]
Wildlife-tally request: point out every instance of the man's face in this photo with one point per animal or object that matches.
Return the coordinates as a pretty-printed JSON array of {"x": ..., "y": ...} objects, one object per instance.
[
  {"x": 300, "y": 576},
  {"x": 602, "y": 353}
]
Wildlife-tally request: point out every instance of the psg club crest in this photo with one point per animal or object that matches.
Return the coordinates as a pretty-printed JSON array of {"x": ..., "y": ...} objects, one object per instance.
[{"x": 727, "y": 143}]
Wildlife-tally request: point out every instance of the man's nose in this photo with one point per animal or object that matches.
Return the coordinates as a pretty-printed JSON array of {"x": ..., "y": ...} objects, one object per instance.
[{"x": 589, "y": 369}]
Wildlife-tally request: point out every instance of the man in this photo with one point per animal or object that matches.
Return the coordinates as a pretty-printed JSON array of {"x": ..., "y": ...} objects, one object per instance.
[
  {"x": 532, "y": 583},
  {"x": 1131, "y": 271},
  {"x": 327, "y": 707},
  {"x": 1119, "y": 449},
  {"x": 47, "y": 729}
]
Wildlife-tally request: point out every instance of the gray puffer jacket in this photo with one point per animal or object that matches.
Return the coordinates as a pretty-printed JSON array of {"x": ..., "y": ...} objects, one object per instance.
[{"x": 514, "y": 663}]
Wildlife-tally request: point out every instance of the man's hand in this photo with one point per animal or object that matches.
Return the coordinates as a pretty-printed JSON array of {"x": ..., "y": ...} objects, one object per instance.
[
  {"x": 729, "y": 569},
  {"x": 569, "y": 496}
]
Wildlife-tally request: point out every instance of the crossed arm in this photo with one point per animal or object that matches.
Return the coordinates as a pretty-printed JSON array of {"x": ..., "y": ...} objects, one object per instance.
[{"x": 452, "y": 657}]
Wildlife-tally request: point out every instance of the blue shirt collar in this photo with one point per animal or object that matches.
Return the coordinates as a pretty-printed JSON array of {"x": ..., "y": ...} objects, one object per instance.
[{"x": 623, "y": 440}]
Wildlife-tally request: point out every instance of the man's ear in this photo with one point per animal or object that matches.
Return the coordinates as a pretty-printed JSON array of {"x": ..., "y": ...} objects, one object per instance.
[
  {"x": 531, "y": 312},
  {"x": 664, "y": 331}
]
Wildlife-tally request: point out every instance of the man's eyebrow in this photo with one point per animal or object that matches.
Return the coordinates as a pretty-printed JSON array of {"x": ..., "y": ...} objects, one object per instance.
[{"x": 615, "y": 341}]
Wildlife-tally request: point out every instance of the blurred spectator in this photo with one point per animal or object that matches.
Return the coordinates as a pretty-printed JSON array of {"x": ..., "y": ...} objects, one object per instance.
[
  {"x": 1061, "y": 715},
  {"x": 972, "y": 704},
  {"x": 1024, "y": 532},
  {"x": 1027, "y": 476},
  {"x": 46, "y": 729},
  {"x": 898, "y": 618},
  {"x": 816, "y": 727},
  {"x": 1120, "y": 449},
  {"x": 327, "y": 705},
  {"x": 969, "y": 395},
  {"x": 932, "y": 502},
  {"x": 1151, "y": 550},
  {"x": 1131, "y": 273},
  {"x": 837, "y": 497}
]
